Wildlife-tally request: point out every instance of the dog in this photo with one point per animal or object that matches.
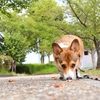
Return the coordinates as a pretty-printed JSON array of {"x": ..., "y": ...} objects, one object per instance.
[{"x": 68, "y": 52}]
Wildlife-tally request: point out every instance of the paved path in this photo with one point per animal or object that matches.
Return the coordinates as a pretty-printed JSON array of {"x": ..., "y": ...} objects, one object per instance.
[{"x": 47, "y": 87}]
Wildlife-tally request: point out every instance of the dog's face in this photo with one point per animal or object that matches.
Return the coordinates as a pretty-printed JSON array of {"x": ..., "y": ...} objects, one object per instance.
[{"x": 67, "y": 58}]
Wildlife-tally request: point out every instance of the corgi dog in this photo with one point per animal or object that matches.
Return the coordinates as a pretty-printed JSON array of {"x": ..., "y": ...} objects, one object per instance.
[{"x": 67, "y": 52}]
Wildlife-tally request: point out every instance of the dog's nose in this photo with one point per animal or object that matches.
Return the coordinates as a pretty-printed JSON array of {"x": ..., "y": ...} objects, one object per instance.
[{"x": 69, "y": 78}]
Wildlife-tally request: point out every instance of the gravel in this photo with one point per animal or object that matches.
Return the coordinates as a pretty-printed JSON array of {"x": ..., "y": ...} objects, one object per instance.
[{"x": 43, "y": 87}]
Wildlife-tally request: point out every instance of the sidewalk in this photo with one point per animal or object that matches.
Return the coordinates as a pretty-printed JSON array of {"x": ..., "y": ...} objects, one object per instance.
[
  {"x": 27, "y": 77},
  {"x": 47, "y": 87}
]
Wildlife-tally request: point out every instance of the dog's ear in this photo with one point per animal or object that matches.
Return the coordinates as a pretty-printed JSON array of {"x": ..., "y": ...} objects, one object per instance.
[
  {"x": 56, "y": 49},
  {"x": 75, "y": 46}
]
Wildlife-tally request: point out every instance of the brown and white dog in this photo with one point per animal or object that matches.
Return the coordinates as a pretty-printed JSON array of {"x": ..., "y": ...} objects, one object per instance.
[{"x": 68, "y": 51}]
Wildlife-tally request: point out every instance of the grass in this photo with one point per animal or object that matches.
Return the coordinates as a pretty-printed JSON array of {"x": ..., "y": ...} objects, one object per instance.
[
  {"x": 92, "y": 72},
  {"x": 54, "y": 70},
  {"x": 5, "y": 72}
]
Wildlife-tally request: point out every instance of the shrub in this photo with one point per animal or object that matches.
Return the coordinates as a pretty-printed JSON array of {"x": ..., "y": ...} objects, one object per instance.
[
  {"x": 32, "y": 68},
  {"x": 5, "y": 62}
]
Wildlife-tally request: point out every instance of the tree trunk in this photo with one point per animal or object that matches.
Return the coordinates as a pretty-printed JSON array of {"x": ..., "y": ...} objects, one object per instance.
[
  {"x": 42, "y": 59},
  {"x": 93, "y": 51},
  {"x": 97, "y": 44},
  {"x": 48, "y": 58},
  {"x": 98, "y": 60}
]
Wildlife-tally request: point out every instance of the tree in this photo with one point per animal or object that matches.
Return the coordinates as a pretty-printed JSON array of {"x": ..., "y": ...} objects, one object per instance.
[
  {"x": 85, "y": 16},
  {"x": 41, "y": 24},
  {"x": 14, "y": 44},
  {"x": 44, "y": 15}
]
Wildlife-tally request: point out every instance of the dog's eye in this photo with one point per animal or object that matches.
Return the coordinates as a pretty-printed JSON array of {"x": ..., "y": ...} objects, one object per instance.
[
  {"x": 73, "y": 65},
  {"x": 63, "y": 66}
]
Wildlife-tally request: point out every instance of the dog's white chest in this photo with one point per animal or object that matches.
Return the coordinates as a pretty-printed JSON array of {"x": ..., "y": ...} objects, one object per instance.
[{"x": 62, "y": 45}]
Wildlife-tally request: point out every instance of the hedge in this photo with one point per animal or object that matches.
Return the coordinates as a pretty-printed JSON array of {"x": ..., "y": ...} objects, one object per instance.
[{"x": 32, "y": 68}]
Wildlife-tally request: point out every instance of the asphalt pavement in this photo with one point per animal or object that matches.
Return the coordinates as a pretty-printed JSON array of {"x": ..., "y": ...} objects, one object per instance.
[{"x": 47, "y": 87}]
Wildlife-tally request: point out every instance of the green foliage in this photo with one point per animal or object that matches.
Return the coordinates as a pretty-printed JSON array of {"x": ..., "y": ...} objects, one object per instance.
[
  {"x": 15, "y": 45},
  {"x": 36, "y": 68},
  {"x": 17, "y": 5}
]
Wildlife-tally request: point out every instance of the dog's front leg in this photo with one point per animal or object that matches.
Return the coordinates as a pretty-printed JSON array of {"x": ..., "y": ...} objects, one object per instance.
[
  {"x": 78, "y": 76},
  {"x": 78, "y": 65}
]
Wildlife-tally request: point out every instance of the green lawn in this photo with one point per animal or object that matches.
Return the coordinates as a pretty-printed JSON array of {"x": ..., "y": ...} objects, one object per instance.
[
  {"x": 5, "y": 72},
  {"x": 92, "y": 72},
  {"x": 54, "y": 70}
]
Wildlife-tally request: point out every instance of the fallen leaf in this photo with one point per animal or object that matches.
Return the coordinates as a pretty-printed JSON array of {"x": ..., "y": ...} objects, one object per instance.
[
  {"x": 59, "y": 85},
  {"x": 54, "y": 78},
  {"x": 12, "y": 80}
]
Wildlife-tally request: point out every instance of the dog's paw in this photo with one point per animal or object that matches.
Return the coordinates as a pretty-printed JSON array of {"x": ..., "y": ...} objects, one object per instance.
[
  {"x": 86, "y": 76},
  {"x": 79, "y": 77}
]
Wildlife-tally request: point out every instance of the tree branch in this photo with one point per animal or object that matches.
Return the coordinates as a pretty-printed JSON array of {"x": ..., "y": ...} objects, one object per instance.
[
  {"x": 59, "y": 28},
  {"x": 62, "y": 29},
  {"x": 86, "y": 18},
  {"x": 76, "y": 14},
  {"x": 84, "y": 37}
]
